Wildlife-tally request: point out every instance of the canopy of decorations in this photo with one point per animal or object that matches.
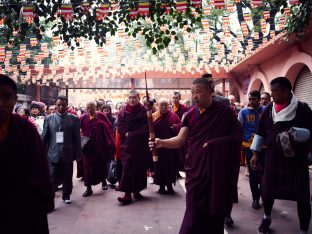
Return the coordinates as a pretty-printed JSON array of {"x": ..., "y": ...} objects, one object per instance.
[{"x": 80, "y": 43}]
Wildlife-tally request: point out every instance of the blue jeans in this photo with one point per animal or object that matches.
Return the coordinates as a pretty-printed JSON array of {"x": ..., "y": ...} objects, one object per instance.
[{"x": 255, "y": 175}]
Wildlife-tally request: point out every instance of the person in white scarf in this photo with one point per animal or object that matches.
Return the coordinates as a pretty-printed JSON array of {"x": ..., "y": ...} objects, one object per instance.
[{"x": 285, "y": 128}]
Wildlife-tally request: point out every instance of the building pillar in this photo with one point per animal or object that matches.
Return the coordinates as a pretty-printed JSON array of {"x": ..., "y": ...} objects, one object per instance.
[
  {"x": 38, "y": 93},
  {"x": 223, "y": 87},
  {"x": 132, "y": 84},
  {"x": 66, "y": 92}
]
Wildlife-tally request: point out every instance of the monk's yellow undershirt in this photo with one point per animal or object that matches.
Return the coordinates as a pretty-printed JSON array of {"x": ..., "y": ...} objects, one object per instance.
[
  {"x": 202, "y": 110},
  {"x": 175, "y": 108}
]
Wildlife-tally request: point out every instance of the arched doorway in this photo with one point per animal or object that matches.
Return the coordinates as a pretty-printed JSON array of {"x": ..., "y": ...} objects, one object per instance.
[
  {"x": 261, "y": 89},
  {"x": 303, "y": 86}
]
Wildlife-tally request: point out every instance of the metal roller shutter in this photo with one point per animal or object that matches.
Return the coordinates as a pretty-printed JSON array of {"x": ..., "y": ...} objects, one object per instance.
[{"x": 303, "y": 86}]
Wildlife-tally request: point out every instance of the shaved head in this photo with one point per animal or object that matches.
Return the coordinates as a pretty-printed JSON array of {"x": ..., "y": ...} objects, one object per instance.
[
  {"x": 134, "y": 92},
  {"x": 232, "y": 99},
  {"x": 91, "y": 107},
  {"x": 163, "y": 105},
  {"x": 133, "y": 98},
  {"x": 163, "y": 100},
  {"x": 89, "y": 103}
]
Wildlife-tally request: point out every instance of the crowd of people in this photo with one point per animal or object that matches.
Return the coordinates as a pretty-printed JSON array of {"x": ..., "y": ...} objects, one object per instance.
[{"x": 272, "y": 138}]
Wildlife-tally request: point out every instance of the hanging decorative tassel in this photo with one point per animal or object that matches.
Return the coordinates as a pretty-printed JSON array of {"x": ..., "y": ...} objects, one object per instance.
[
  {"x": 219, "y": 4},
  {"x": 256, "y": 3},
  {"x": 181, "y": 6},
  {"x": 144, "y": 8},
  {"x": 98, "y": 14},
  {"x": 196, "y": 3},
  {"x": 286, "y": 11},
  {"x": 2, "y": 54},
  {"x": 22, "y": 49},
  {"x": 104, "y": 9},
  {"x": 44, "y": 46},
  {"x": 33, "y": 41},
  {"x": 133, "y": 14},
  {"x": 28, "y": 13},
  {"x": 226, "y": 20},
  {"x": 247, "y": 17},
  {"x": 244, "y": 28},
  {"x": 230, "y": 7},
  {"x": 266, "y": 14},
  {"x": 56, "y": 40},
  {"x": 263, "y": 26},
  {"x": 207, "y": 10},
  {"x": 67, "y": 11},
  {"x": 294, "y": 2}
]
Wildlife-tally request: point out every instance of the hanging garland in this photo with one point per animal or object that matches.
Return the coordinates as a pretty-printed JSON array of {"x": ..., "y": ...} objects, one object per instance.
[
  {"x": 94, "y": 19},
  {"x": 184, "y": 37}
]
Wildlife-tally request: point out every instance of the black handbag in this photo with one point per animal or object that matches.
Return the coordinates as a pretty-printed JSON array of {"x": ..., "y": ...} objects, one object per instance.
[
  {"x": 87, "y": 146},
  {"x": 112, "y": 176}
]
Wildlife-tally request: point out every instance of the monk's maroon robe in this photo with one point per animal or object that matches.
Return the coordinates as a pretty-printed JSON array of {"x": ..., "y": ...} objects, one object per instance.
[
  {"x": 285, "y": 178},
  {"x": 166, "y": 167},
  {"x": 95, "y": 165},
  {"x": 181, "y": 110},
  {"x": 211, "y": 172},
  {"x": 135, "y": 153},
  {"x": 26, "y": 191}
]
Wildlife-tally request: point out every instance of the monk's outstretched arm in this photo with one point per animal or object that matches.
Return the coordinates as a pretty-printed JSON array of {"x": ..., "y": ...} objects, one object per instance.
[{"x": 174, "y": 142}]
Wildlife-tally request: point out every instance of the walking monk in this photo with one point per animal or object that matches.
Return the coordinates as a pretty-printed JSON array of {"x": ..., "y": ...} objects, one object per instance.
[
  {"x": 26, "y": 191},
  {"x": 97, "y": 127},
  {"x": 213, "y": 136},
  {"x": 166, "y": 126},
  {"x": 133, "y": 130}
]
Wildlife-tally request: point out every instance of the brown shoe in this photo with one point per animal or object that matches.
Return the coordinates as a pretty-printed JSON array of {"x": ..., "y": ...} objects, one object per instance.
[
  {"x": 137, "y": 196},
  {"x": 125, "y": 200}
]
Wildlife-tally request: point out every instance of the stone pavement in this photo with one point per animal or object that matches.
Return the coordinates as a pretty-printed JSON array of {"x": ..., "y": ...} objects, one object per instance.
[{"x": 101, "y": 213}]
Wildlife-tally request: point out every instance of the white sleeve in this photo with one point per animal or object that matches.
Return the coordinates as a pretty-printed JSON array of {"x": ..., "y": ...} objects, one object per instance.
[{"x": 257, "y": 143}]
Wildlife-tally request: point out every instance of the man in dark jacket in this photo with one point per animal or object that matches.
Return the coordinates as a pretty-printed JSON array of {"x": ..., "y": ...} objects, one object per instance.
[
  {"x": 61, "y": 135},
  {"x": 285, "y": 128}
]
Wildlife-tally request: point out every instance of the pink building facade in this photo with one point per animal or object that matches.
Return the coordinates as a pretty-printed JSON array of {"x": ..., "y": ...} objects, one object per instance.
[{"x": 292, "y": 58}]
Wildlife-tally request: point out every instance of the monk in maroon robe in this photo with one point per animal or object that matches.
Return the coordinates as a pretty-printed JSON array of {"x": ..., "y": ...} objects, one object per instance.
[
  {"x": 26, "y": 191},
  {"x": 96, "y": 126},
  {"x": 135, "y": 156},
  {"x": 178, "y": 107},
  {"x": 213, "y": 137},
  {"x": 165, "y": 126}
]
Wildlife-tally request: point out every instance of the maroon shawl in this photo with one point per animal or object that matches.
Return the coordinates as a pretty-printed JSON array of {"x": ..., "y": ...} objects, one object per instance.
[
  {"x": 181, "y": 110},
  {"x": 27, "y": 193}
]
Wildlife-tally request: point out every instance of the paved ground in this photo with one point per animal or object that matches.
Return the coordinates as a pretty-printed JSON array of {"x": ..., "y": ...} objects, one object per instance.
[{"x": 101, "y": 213}]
